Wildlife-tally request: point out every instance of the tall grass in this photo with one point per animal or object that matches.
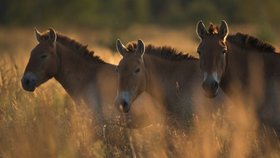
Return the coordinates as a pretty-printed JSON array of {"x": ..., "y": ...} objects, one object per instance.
[
  {"x": 43, "y": 124},
  {"x": 47, "y": 123}
]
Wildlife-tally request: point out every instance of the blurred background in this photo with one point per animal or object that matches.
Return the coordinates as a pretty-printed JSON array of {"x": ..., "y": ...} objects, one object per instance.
[
  {"x": 47, "y": 123},
  {"x": 160, "y": 22},
  {"x": 133, "y": 19},
  {"x": 123, "y": 13}
]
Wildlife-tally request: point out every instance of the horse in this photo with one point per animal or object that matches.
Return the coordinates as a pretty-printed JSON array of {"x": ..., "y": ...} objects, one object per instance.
[
  {"x": 85, "y": 77},
  {"x": 240, "y": 65},
  {"x": 167, "y": 75}
]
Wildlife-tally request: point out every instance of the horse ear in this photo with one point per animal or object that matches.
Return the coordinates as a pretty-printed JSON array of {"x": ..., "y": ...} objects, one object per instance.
[
  {"x": 52, "y": 35},
  {"x": 120, "y": 47},
  {"x": 201, "y": 30},
  {"x": 223, "y": 32},
  {"x": 38, "y": 35},
  {"x": 140, "y": 48}
]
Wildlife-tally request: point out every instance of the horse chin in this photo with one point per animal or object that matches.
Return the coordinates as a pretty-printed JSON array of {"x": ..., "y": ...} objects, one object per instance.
[
  {"x": 137, "y": 124},
  {"x": 211, "y": 94},
  {"x": 29, "y": 89}
]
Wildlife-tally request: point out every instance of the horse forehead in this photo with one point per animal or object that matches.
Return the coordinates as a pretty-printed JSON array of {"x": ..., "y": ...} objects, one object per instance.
[
  {"x": 211, "y": 41},
  {"x": 211, "y": 48},
  {"x": 130, "y": 60},
  {"x": 39, "y": 48}
]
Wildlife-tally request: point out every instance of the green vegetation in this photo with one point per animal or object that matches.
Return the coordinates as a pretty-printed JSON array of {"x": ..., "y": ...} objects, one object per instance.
[{"x": 120, "y": 13}]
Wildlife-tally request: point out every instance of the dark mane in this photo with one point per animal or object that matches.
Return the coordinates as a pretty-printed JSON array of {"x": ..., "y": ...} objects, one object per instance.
[
  {"x": 164, "y": 52},
  {"x": 250, "y": 42},
  {"x": 77, "y": 47},
  {"x": 213, "y": 29}
]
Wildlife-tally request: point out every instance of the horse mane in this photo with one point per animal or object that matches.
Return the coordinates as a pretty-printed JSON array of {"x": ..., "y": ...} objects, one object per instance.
[
  {"x": 250, "y": 42},
  {"x": 78, "y": 48},
  {"x": 244, "y": 40},
  {"x": 213, "y": 29},
  {"x": 164, "y": 52}
]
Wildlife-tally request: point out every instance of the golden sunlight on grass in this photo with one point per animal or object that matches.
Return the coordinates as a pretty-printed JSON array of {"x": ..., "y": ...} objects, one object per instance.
[{"x": 47, "y": 123}]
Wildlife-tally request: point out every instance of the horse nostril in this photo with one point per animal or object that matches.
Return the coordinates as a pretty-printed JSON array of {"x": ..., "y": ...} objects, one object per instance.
[
  {"x": 210, "y": 86},
  {"x": 26, "y": 81},
  {"x": 124, "y": 106},
  {"x": 214, "y": 85}
]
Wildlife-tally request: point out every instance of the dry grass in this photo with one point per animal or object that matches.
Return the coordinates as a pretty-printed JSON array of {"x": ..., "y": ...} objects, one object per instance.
[{"x": 47, "y": 123}]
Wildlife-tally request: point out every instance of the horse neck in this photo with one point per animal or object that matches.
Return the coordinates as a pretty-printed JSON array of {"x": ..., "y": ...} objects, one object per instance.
[
  {"x": 74, "y": 72},
  {"x": 240, "y": 62},
  {"x": 243, "y": 63},
  {"x": 163, "y": 75}
]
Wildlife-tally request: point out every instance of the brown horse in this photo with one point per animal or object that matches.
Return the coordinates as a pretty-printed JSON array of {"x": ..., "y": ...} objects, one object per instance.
[
  {"x": 85, "y": 77},
  {"x": 167, "y": 75},
  {"x": 240, "y": 64}
]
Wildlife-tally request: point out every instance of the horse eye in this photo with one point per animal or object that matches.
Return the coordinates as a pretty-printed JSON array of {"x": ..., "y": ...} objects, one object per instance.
[
  {"x": 137, "y": 70},
  {"x": 43, "y": 56}
]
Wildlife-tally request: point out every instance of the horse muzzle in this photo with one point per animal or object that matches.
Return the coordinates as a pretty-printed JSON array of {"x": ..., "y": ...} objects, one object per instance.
[
  {"x": 28, "y": 82},
  {"x": 123, "y": 105},
  {"x": 211, "y": 88}
]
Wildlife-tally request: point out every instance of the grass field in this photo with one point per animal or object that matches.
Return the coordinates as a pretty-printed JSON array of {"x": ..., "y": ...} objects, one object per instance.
[{"x": 47, "y": 123}]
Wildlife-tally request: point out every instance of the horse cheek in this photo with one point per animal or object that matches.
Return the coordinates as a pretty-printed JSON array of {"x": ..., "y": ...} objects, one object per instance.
[{"x": 51, "y": 68}]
